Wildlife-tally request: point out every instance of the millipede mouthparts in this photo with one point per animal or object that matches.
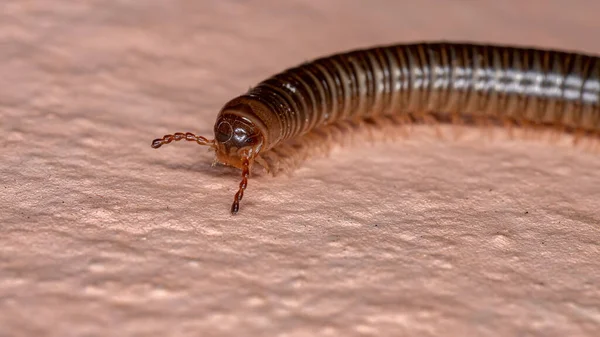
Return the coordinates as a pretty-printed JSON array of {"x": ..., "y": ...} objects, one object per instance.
[{"x": 431, "y": 82}]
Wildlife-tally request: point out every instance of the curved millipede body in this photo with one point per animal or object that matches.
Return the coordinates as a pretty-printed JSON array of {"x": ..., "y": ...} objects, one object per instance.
[{"x": 443, "y": 82}]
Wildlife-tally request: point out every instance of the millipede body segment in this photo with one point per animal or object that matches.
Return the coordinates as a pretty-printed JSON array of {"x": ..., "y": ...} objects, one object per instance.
[{"x": 441, "y": 81}]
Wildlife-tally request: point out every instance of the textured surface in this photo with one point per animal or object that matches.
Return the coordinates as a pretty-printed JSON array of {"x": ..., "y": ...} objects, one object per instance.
[{"x": 102, "y": 235}]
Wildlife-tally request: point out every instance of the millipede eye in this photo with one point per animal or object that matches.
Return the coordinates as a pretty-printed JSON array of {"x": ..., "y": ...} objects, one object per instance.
[{"x": 223, "y": 132}]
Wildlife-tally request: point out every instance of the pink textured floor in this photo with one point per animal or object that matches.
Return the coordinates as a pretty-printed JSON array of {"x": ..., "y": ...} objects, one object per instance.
[{"x": 100, "y": 235}]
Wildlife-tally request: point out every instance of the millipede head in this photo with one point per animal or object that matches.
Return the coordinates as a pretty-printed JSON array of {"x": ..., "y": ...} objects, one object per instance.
[
  {"x": 236, "y": 137},
  {"x": 237, "y": 143}
]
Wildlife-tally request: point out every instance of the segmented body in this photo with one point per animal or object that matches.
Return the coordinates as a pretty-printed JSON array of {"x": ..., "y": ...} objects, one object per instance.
[
  {"x": 449, "y": 80},
  {"x": 446, "y": 82}
]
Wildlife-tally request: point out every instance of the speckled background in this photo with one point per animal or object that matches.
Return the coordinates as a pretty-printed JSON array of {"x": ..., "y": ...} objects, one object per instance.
[{"x": 101, "y": 235}]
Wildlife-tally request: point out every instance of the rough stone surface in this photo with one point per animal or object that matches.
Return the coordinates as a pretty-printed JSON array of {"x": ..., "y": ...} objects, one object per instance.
[{"x": 100, "y": 235}]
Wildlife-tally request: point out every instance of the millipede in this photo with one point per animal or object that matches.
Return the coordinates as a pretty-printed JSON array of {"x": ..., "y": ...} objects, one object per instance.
[{"x": 428, "y": 82}]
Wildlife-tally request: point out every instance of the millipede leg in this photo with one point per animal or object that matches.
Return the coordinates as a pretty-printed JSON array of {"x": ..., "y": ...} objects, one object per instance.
[
  {"x": 556, "y": 132},
  {"x": 509, "y": 125},
  {"x": 595, "y": 142},
  {"x": 578, "y": 135},
  {"x": 457, "y": 125},
  {"x": 482, "y": 123},
  {"x": 404, "y": 123},
  {"x": 265, "y": 164},
  {"x": 526, "y": 126},
  {"x": 431, "y": 121}
]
